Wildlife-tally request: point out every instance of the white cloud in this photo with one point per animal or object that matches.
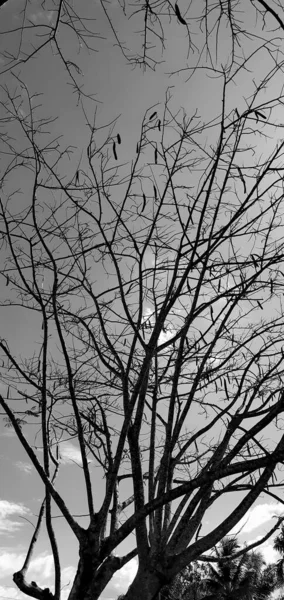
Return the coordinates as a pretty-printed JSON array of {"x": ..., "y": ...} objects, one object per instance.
[
  {"x": 67, "y": 575},
  {"x": 65, "y": 594},
  {"x": 69, "y": 453},
  {"x": 42, "y": 16},
  {"x": 121, "y": 580},
  {"x": 26, "y": 467},
  {"x": 6, "y": 510},
  {"x": 269, "y": 554},
  {"x": 8, "y": 433},
  {"x": 49, "y": 15},
  {"x": 149, "y": 321},
  {"x": 149, "y": 317},
  {"x": 67, "y": 578},
  {"x": 42, "y": 566},
  {"x": 10, "y": 562},
  {"x": 213, "y": 361},
  {"x": 11, "y": 592},
  {"x": 41, "y": 571},
  {"x": 257, "y": 516},
  {"x": 166, "y": 335}
]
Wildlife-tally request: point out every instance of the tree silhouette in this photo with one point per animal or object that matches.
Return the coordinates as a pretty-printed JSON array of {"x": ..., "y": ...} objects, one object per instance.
[
  {"x": 279, "y": 546},
  {"x": 153, "y": 282},
  {"x": 189, "y": 584},
  {"x": 244, "y": 577}
]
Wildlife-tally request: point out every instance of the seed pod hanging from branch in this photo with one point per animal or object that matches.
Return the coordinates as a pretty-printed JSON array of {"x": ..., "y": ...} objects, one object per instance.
[
  {"x": 179, "y": 17},
  {"x": 156, "y": 155}
]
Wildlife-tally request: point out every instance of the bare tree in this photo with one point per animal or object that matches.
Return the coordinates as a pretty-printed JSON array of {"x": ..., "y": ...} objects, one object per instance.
[
  {"x": 248, "y": 576},
  {"x": 189, "y": 584},
  {"x": 154, "y": 288},
  {"x": 168, "y": 368},
  {"x": 201, "y": 26}
]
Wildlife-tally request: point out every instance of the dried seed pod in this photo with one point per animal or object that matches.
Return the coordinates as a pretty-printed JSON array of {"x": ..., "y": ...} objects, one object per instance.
[
  {"x": 156, "y": 155},
  {"x": 118, "y": 139},
  {"x": 259, "y": 114},
  {"x": 154, "y": 114},
  {"x": 242, "y": 179},
  {"x": 226, "y": 389},
  {"x": 179, "y": 17},
  {"x": 144, "y": 202},
  {"x": 114, "y": 150}
]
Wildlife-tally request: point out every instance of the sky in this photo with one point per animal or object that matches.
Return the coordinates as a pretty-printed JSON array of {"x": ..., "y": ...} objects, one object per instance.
[
  {"x": 120, "y": 90},
  {"x": 15, "y": 528}
]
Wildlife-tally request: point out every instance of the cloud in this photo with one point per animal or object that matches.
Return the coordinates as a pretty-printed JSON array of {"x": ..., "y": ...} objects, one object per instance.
[
  {"x": 42, "y": 16},
  {"x": 149, "y": 322},
  {"x": 65, "y": 594},
  {"x": 40, "y": 569},
  {"x": 149, "y": 317},
  {"x": 166, "y": 335},
  {"x": 121, "y": 580},
  {"x": 67, "y": 578},
  {"x": 10, "y": 562},
  {"x": 70, "y": 454},
  {"x": 67, "y": 575},
  {"x": 269, "y": 554},
  {"x": 11, "y": 592},
  {"x": 257, "y": 516},
  {"x": 6, "y": 510},
  {"x": 8, "y": 433},
  {"x": 25, "y": 467},
  {"x": 42, "y": 565}
]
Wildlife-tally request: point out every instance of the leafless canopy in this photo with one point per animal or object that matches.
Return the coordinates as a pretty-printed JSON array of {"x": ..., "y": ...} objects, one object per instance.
[{"x": 154, "y": 291}]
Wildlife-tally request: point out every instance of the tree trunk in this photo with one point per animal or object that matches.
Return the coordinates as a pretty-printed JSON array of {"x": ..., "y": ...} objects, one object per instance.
[
  {"x": 146, "y": 585},
  {"x": 90, "y": 582}
]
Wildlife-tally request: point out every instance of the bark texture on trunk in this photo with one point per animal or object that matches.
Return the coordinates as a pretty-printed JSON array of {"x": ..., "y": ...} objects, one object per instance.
[
  {"x": 145, "y": 586},
  {"x": 82, "y": 581},
  {"x": 91, "y": 580}
]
